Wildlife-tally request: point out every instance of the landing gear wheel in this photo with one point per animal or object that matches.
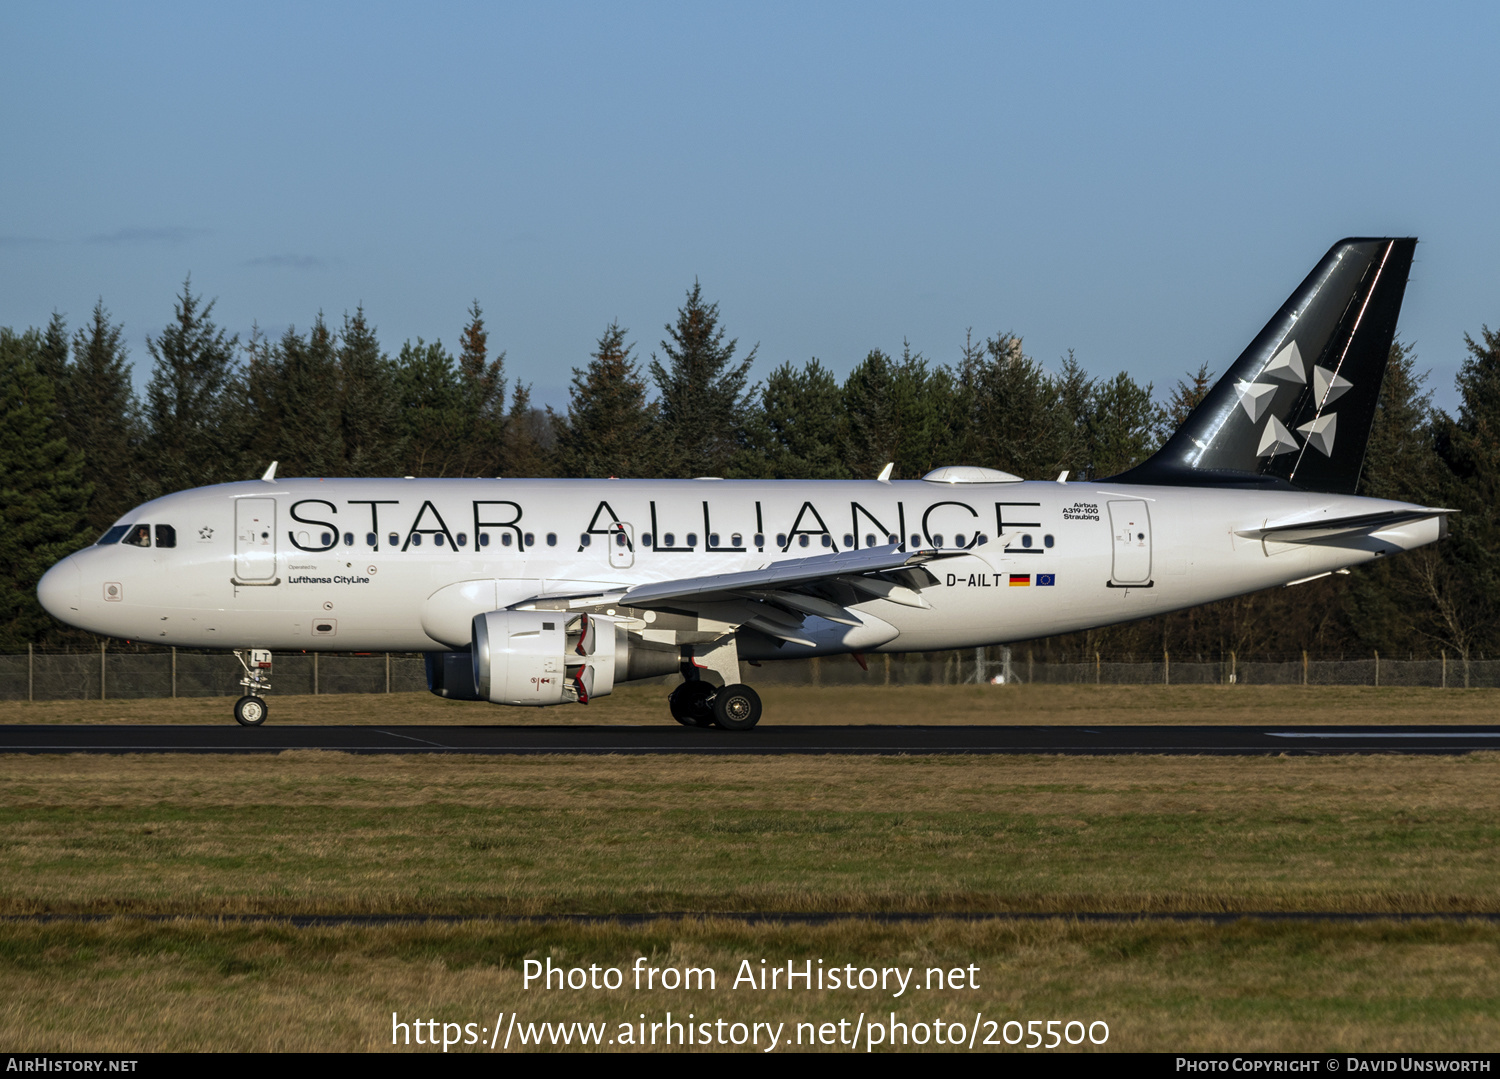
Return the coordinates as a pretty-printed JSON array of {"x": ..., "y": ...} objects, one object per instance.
[
  {"x": 692, "y": 704},
  {"x": 250, "y": 711},
  {"x": 736, "y": 708}
]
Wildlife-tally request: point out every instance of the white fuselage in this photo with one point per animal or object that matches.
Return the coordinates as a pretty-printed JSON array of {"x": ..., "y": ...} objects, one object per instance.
[{"x": 404, "y": 565}]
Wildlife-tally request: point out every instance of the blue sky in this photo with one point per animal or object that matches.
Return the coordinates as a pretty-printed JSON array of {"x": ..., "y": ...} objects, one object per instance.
[{"x": 1142, "y": 184}]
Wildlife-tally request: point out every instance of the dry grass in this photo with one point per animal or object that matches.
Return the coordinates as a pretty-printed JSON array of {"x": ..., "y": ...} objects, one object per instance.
[
  {"x": 1031, "y": 704},
  {"x": 326, "y": 832},
  {"x": 129, "y": 987},
  {"x": 323, "y": 832}
]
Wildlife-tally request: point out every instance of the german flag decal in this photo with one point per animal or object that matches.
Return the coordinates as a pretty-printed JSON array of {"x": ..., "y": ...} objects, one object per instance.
[{"x": 1020, "y": 580}]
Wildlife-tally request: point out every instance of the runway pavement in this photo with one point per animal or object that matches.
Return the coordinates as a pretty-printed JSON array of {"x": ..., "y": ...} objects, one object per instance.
[{"x": 765, "y": 740}]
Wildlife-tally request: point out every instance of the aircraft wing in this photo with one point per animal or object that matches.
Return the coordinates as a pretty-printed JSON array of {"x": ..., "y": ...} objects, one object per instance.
[
  {"x": 781, "y": 575},
  {"x": 779, "y": 599}
]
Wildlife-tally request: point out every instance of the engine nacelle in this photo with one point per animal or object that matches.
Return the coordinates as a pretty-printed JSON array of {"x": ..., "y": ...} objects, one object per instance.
[{"x": 544, "y": 657}]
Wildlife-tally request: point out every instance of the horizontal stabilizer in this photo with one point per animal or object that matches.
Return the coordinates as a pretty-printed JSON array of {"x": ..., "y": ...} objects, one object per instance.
[{"x": 1310, "y": 530}]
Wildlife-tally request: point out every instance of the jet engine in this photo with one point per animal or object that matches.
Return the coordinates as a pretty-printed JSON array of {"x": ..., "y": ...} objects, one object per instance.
[{"x": 546, "y": 657}]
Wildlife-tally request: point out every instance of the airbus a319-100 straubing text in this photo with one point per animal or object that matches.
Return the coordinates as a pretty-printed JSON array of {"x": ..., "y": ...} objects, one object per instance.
[{"x": 545, "y": 592}]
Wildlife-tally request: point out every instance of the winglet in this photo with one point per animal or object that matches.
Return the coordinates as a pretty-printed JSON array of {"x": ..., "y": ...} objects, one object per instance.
[
  {"x": 270, "y": 474},
  {"x": 885, "y": 473}
]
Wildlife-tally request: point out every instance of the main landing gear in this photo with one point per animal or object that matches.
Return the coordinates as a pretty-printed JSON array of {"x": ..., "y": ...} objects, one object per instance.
[
  {"x": 702, "y": 704},
  {"x": 250, "y": 710}
]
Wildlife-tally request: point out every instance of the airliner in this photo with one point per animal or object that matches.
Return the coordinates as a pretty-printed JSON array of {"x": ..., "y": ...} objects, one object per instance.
[{"x": 531, "y": 592}]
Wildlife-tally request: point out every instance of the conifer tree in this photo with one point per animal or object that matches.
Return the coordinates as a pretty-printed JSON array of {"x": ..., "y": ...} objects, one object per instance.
[
  {"x": 1464, "y": 583},
  {"x": 102, "y": 418},
  {"x": 368, "y": 404},
  {"x": 482, "y": 386},
  {"x": 1015, "y": 419},
  {"x": 799, "y": 430},
  {"x": 608, "y": 429},
  {"x": 1122, "y": 428},
  {"x": 294, "y": 396},
  {"x": 432, "y": 410},
  {"x": 43, "y": 495},
  {"x": 528, "y": 437},
  {"x": 1187, "y": 395},
  {"x": 899, "y": 412},
  {"x": 52, "y": 355},
  {"x": 194, "y": 418},
  {"x": 702, "y": 389}
]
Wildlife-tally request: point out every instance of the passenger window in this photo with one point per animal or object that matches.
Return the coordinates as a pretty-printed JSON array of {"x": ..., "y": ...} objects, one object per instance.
[
  {"x": 551, "y": 539},
  {"x": 585, "y": 540},
  {"x": 348, "y": 538},
  {"x": 827, "y": 540},
  {"x": 869, "y": 539},
  {"x": 461, "y": 539},
  {"x": 371, "y": 539},
  {"x": 916, "y": 540},
  {"x": 620, "y": 540},
  {"x": 781, "y": 539},
  {"x": 958, "y": 540},
  {"x": 484, "y": 539},
  {"x": 530, "y": 540},
  {"x": 645, "y": 539},
  {"x": 713, "y": 539},
  {"x": 692, "y": 539},
  {"x": 505, "y": 539},
  {"x": 937, "y": 541},
  {"x": 736, "y": 540},
  {"x": 138, "y": 536},
  {"x": 760, "y": 539},
  {"x": 1047, "y": 541},
  {"x": 166, "y": 536},
  {"x": 395, "y": 540},
  {"x": 438, "y": 539},
  {"x": 671, "y": 539},
  {"x": 895, "y": 540},
  {"x": 1026, "y": 540},
  {"x": 803, "y": 540},
  {"x": 114, "y": 535},
  {"x": 848, "y": 540},
  {"x": 416, "y": 539}
]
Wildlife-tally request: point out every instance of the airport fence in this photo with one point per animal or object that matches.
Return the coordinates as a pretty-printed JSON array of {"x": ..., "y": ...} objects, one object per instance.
[{"x": 110, "y": 674}]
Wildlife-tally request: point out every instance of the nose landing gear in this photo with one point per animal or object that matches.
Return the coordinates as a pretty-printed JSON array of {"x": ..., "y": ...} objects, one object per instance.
[{"x": 250, "y": 710}]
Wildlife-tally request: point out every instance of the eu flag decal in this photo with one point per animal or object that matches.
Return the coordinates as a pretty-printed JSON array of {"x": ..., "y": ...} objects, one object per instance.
[
  {"x": 1020, "y": 580},
  {"x": 1045, "y": 579}
]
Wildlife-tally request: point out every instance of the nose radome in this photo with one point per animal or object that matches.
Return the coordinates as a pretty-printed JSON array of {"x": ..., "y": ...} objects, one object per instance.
[{"x": 59, "y": 591}]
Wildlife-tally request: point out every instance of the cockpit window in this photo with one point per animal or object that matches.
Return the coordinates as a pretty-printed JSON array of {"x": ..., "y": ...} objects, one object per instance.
[
  {"x": 138, "y": 536},
  {"x": 166, "y": 536},
  {"x": 113, "y": 535}
]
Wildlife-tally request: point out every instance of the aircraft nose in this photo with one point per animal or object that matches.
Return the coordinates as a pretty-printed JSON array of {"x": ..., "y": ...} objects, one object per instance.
[{"x": 60, "y": 589}]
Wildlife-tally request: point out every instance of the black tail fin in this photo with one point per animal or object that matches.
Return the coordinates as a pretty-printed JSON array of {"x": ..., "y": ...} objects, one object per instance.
[{"x": 1297, "y": 406}]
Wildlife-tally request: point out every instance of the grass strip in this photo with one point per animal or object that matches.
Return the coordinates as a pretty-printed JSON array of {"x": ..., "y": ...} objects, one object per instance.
[
  {"x": 796, "y": 705},
  {"x": 129, "y": 986},
  {"x": 324, "y": 833}
]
